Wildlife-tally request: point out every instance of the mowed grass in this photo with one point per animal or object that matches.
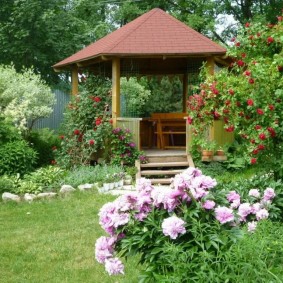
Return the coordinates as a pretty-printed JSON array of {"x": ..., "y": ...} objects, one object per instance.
[{"x": 53, "y": 241}]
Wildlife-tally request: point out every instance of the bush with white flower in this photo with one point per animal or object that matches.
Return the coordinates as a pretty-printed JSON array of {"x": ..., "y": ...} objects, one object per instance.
[{"x": 178, "y": 231}]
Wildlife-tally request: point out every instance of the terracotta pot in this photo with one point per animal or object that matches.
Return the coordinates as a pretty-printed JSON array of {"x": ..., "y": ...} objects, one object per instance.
[
  {"x": 220, "y": 152},
  {"x": 207, "y": 152}
]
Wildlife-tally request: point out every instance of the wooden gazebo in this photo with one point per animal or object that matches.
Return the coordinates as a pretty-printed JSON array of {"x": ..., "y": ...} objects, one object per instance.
[{"x": 153, "y": 44}]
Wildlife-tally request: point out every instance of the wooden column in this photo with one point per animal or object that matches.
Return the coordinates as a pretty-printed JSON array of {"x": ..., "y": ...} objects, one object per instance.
[
  {"x": 185, "y": 92},
  {"x": 115, "y": 90},
  {"x": 210, "y": 65},
  {"x": 75, "y": 81}
]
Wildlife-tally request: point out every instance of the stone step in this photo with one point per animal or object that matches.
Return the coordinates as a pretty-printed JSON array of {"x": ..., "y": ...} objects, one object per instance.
[
  {"x": 161, "y": 172},
  {"x": 165, "y": 164},
  {"x": 165, "y": 159}
]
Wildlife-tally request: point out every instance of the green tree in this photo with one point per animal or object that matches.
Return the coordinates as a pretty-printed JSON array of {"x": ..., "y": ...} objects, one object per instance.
[{"x": 24, "y": 97}]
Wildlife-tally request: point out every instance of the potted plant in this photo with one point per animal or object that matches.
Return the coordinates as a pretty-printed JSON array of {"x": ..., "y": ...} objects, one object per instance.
[{"x": 207, "y": 150}]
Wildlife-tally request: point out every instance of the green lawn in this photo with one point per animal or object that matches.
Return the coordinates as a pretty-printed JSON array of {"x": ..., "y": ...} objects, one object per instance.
[{"x": 53, "y": 241}]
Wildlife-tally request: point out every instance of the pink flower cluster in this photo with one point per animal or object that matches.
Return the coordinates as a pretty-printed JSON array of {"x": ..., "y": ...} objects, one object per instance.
[{"x": 186, "y": 188}]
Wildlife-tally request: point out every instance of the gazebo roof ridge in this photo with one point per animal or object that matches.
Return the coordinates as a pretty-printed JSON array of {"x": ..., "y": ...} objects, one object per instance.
[{"x": 153, "y": 33}]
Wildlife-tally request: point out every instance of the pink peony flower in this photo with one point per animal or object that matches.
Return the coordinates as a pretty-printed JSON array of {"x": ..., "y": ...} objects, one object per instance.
[
  {"x": 173, "y": 226},
  {"x": 262, "y": 214},
  {"x": 114, "y": 266},
  {"x": 244, "y": 210},
  {"x": 104, "y": 248},
  {"x": 224, "y": 214},
  {"x": 208, "y": 204},
  {"x": 252, "y": 226},
  {"x": 232, "y": 196},
  {"x": 268, "y": 194},
  {"x": 254, "y": 193}
]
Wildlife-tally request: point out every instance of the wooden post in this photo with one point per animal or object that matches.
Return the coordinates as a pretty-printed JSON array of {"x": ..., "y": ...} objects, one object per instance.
[
  {"x": 210, "y": 65},
  {"x": 75, "y": 81},
  {"x": 115, "y": 90},
  {"x": 185, "y": 92}
]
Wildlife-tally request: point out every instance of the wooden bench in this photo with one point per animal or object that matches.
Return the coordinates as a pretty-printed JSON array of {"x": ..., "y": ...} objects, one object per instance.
[{"x": 167, "y": 126}]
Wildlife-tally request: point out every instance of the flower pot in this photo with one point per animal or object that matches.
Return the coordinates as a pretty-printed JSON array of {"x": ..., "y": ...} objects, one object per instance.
[
  {"x": 121, "y": 183},
  {"x": 220, "y": 152},
  {"x": 206, "y": 152},
  {"x": 106, "y": 187}
]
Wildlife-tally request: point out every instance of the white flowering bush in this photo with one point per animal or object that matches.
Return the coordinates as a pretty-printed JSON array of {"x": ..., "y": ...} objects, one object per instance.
[
  {"x": 180, "y": 232},
  {"x": 24, "y": 97}
]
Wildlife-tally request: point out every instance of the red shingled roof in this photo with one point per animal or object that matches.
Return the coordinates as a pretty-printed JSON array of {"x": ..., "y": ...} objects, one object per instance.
[{"x": 153, "y": 33}]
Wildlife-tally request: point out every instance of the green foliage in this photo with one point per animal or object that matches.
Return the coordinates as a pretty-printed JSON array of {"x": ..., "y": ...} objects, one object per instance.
[
  {"x": 43, "y": 179},
  {"x": 87, "y": 125},
  {"x": 9, "y": 183},
  {"x": 136, "y": 96},
  {"x": 90, "y": 175},
  {"x": 45, "y": 143},
  {"x": 8, "y": 132},
  {"x": 24, "y": 97},
  {"x": 17, "y": 157}
]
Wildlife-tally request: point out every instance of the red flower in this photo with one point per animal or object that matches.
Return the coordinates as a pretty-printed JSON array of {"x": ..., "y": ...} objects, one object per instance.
[
  {"x": 270, "y": 25},
  {"x": 255, "y": 151},
  {"x": 238, "y": 44},
  {"x": 231, "y": 91},
  {"x": 247, "y": 73},
  {"x": 257, "y": 127},
  {"x": 227, "y": 102},
  {"x": 280, "y": 68},
  {"x": 251, "y": 81},
  {"x": 240, "y": 63},
  {"x": 250, "y": 102},
  {"x": 271, "y": 107},
  {"x": 270, "y": 39},
  {"x": 233, "y": 39},
  {"x": 244, "y": 55},
  {"x": 216, "y": 115},
  {"x": 247, "y": 25},
  {"x": 271, "y": 131},
  {"x": 262, "y": 136},
  {"x": 280, "y": 18},
  {"x": 258, "y": 34},
  {"x": 91, "y": 142},
  {"x": 261, "y": 147},
  {"x": 259, "y": 111},
  {"x": 253, "y": 161},
  {"x": 54, "y": 147},
  {"x": 111, "y": 121},
  {"x": 76, "y": 132},
  {"x": 252, "y": 141},
  {"x": 53, "y": 162},
  {"x": 98, "y": 121},
  {"x": 251, "y": 37},
  {"x": 238, "y": 103},
  {"x": 97, "y": 99},
  {"x": 190, "y": 120},
  {"x": 80, "y": 138},
  {"x": 61, "y": 137},
  {"x": 230, "y": 129}
]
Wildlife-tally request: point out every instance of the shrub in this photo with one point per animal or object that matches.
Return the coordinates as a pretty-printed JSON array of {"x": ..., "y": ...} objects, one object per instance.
[
  {"x": 43, "y": 179},
  {"x": 180, "y": 232},
  {"x": 123, "y": 149},
  {"x": 46, "y": 143},
  {"x": 8, "y": 132},
  {"x": 8, "y": 183},
  {"x": 87, "y": 124},
  {"x": 17, "y": 157}
]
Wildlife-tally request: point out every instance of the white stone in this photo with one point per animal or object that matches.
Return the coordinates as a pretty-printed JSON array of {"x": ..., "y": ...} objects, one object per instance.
[
  {"x": 29, "y": 197},
  {"x": 10, "y": 197},
  {"x": 66, "y": 189},
  {"x": 85, "y": 187},
  {"x": 46, "y": 195}
]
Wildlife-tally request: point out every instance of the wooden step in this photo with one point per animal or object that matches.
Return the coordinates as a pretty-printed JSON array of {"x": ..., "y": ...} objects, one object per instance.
[
  {"x": 161, "y": 172},
  {"x": 161, "y": 181},
  {"x": 165, "y": 164},
  {"x": 165, "y": 159}
]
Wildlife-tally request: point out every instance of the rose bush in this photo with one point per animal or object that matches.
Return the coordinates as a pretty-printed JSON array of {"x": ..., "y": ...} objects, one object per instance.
[
  {"x": 87, "y": 125},
  {"x": 248, "y": 95},
  {"x": 180, "y": 231}
]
